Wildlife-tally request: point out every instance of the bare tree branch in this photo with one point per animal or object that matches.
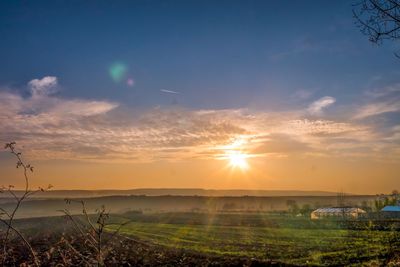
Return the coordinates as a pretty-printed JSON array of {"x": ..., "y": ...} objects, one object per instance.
[{"x": 378, "y": 19}]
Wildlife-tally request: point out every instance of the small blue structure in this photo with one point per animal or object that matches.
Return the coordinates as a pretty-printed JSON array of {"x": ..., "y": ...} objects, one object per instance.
[
  {"x": 391, "y": 209},
  {"x": 391, "y": 212}
]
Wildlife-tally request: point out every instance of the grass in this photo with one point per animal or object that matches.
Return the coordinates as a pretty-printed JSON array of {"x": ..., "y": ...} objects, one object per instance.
[{"x": 292, "y": 245}]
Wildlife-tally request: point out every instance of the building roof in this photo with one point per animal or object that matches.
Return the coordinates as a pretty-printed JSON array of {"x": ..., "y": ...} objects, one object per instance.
[
  {"x": 339, "y": 210},
  {"x": 391, "y": 208}
]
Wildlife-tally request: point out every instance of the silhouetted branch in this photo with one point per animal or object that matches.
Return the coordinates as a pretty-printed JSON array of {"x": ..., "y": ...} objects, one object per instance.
[
  {"x": 19, "y": 199},
  {"x": 93, "y": 232},
  {"x": 378, "y": 19}
]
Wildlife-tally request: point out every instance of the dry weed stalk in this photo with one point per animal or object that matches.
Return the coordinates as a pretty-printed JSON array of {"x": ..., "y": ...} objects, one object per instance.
[
  {"x": 92, "y": 229},
  {"x": 8, "y": 217}
]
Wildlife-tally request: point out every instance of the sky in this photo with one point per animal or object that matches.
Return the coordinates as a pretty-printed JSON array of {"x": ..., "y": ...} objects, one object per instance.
[{"x": 275, "y": 95}]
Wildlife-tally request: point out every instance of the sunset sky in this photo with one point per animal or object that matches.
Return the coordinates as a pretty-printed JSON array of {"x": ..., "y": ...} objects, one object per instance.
[{"x": 283, "y": 95}]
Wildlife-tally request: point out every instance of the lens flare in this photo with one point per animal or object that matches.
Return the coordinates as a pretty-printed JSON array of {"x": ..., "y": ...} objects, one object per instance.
[
  {"x": 118, "y": 71},
  {"x": 130, "y": 82}
]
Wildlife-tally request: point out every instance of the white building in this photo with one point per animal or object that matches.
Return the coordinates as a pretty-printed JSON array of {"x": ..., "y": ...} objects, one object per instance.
[{"x": 340, "y": 212}]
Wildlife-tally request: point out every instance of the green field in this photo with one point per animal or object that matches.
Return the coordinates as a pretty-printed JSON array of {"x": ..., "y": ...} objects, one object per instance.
[{"x": 291, "y": 244}]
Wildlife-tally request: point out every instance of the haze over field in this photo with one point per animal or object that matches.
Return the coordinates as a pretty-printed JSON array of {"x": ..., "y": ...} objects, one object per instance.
[
  {"x": 152, "y": 94},
  {"x": 172, "y": 192}
]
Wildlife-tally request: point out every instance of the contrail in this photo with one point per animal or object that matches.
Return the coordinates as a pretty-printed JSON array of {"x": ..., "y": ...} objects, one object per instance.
[{"x": 169, "y": 91}]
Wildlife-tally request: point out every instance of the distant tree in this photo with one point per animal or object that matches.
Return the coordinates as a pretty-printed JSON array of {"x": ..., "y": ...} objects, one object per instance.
[
  {"x": 386, "y": 200},
  {"x": 378, "y": 19},
  {"x": 292, "y": 206},
  {"x": 366, "y": 206},
  {"x": 396, "y": 197},
  {"x": 305, "y": 209},
  {"x": 318, "y": 205},
  {"x": 341, "y": 199},
  {"x": 378, "y": 204}
]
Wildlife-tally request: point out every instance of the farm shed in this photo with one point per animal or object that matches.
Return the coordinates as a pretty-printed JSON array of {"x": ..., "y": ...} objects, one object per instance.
[
  {"x": 391, "y": 212},
  {"x": 347, "y": 212}
]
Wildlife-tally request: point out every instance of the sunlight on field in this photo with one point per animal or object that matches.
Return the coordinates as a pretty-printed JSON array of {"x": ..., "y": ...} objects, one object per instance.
[{"x": 306, "y": 246}]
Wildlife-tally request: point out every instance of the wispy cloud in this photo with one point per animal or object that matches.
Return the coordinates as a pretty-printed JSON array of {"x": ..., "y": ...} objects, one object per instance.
[
  {"x": 51, "y": 127},
  {"x": 377, "y": 108},
  {"x": 380, "y": 101},
  {"x": 385, "y": 91},
  {"x": 317, "y": 107}
]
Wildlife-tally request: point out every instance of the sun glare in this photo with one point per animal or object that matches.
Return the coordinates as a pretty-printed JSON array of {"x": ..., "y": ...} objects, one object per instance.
[{"x": 238, "y": 160}]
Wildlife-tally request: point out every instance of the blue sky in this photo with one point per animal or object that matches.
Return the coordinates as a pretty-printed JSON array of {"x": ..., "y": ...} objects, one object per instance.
[
  {"x": 217, "y": 54},
  {"x": 176, "y": 86}
]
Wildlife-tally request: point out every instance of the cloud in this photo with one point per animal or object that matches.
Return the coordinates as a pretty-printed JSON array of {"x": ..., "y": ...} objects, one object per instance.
[
  {"x": 45, "y": 86},
  {"x": 169, "y": 91},
  {"x": 82, "y": 107},
  {"x": 280, "y": 143},
  {"x": 394, "y": 134},
  {"x": 43, "y": 119},
  {"x": 55, "y": 128},
  {"x": 50, "y": 127},
  {"x": 384, "y": 92},
  {"x": 377, "y": 108},
  {"x": 317, "y": 107},
  {"x": 380, "y": 101}
]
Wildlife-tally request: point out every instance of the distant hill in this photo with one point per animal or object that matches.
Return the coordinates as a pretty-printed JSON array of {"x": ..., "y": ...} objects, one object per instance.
[{"x": 175, "y": 192}]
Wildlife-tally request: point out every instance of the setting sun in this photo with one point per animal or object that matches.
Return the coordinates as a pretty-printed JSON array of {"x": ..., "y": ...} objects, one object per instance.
[{"x": 238, "y": 160}]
